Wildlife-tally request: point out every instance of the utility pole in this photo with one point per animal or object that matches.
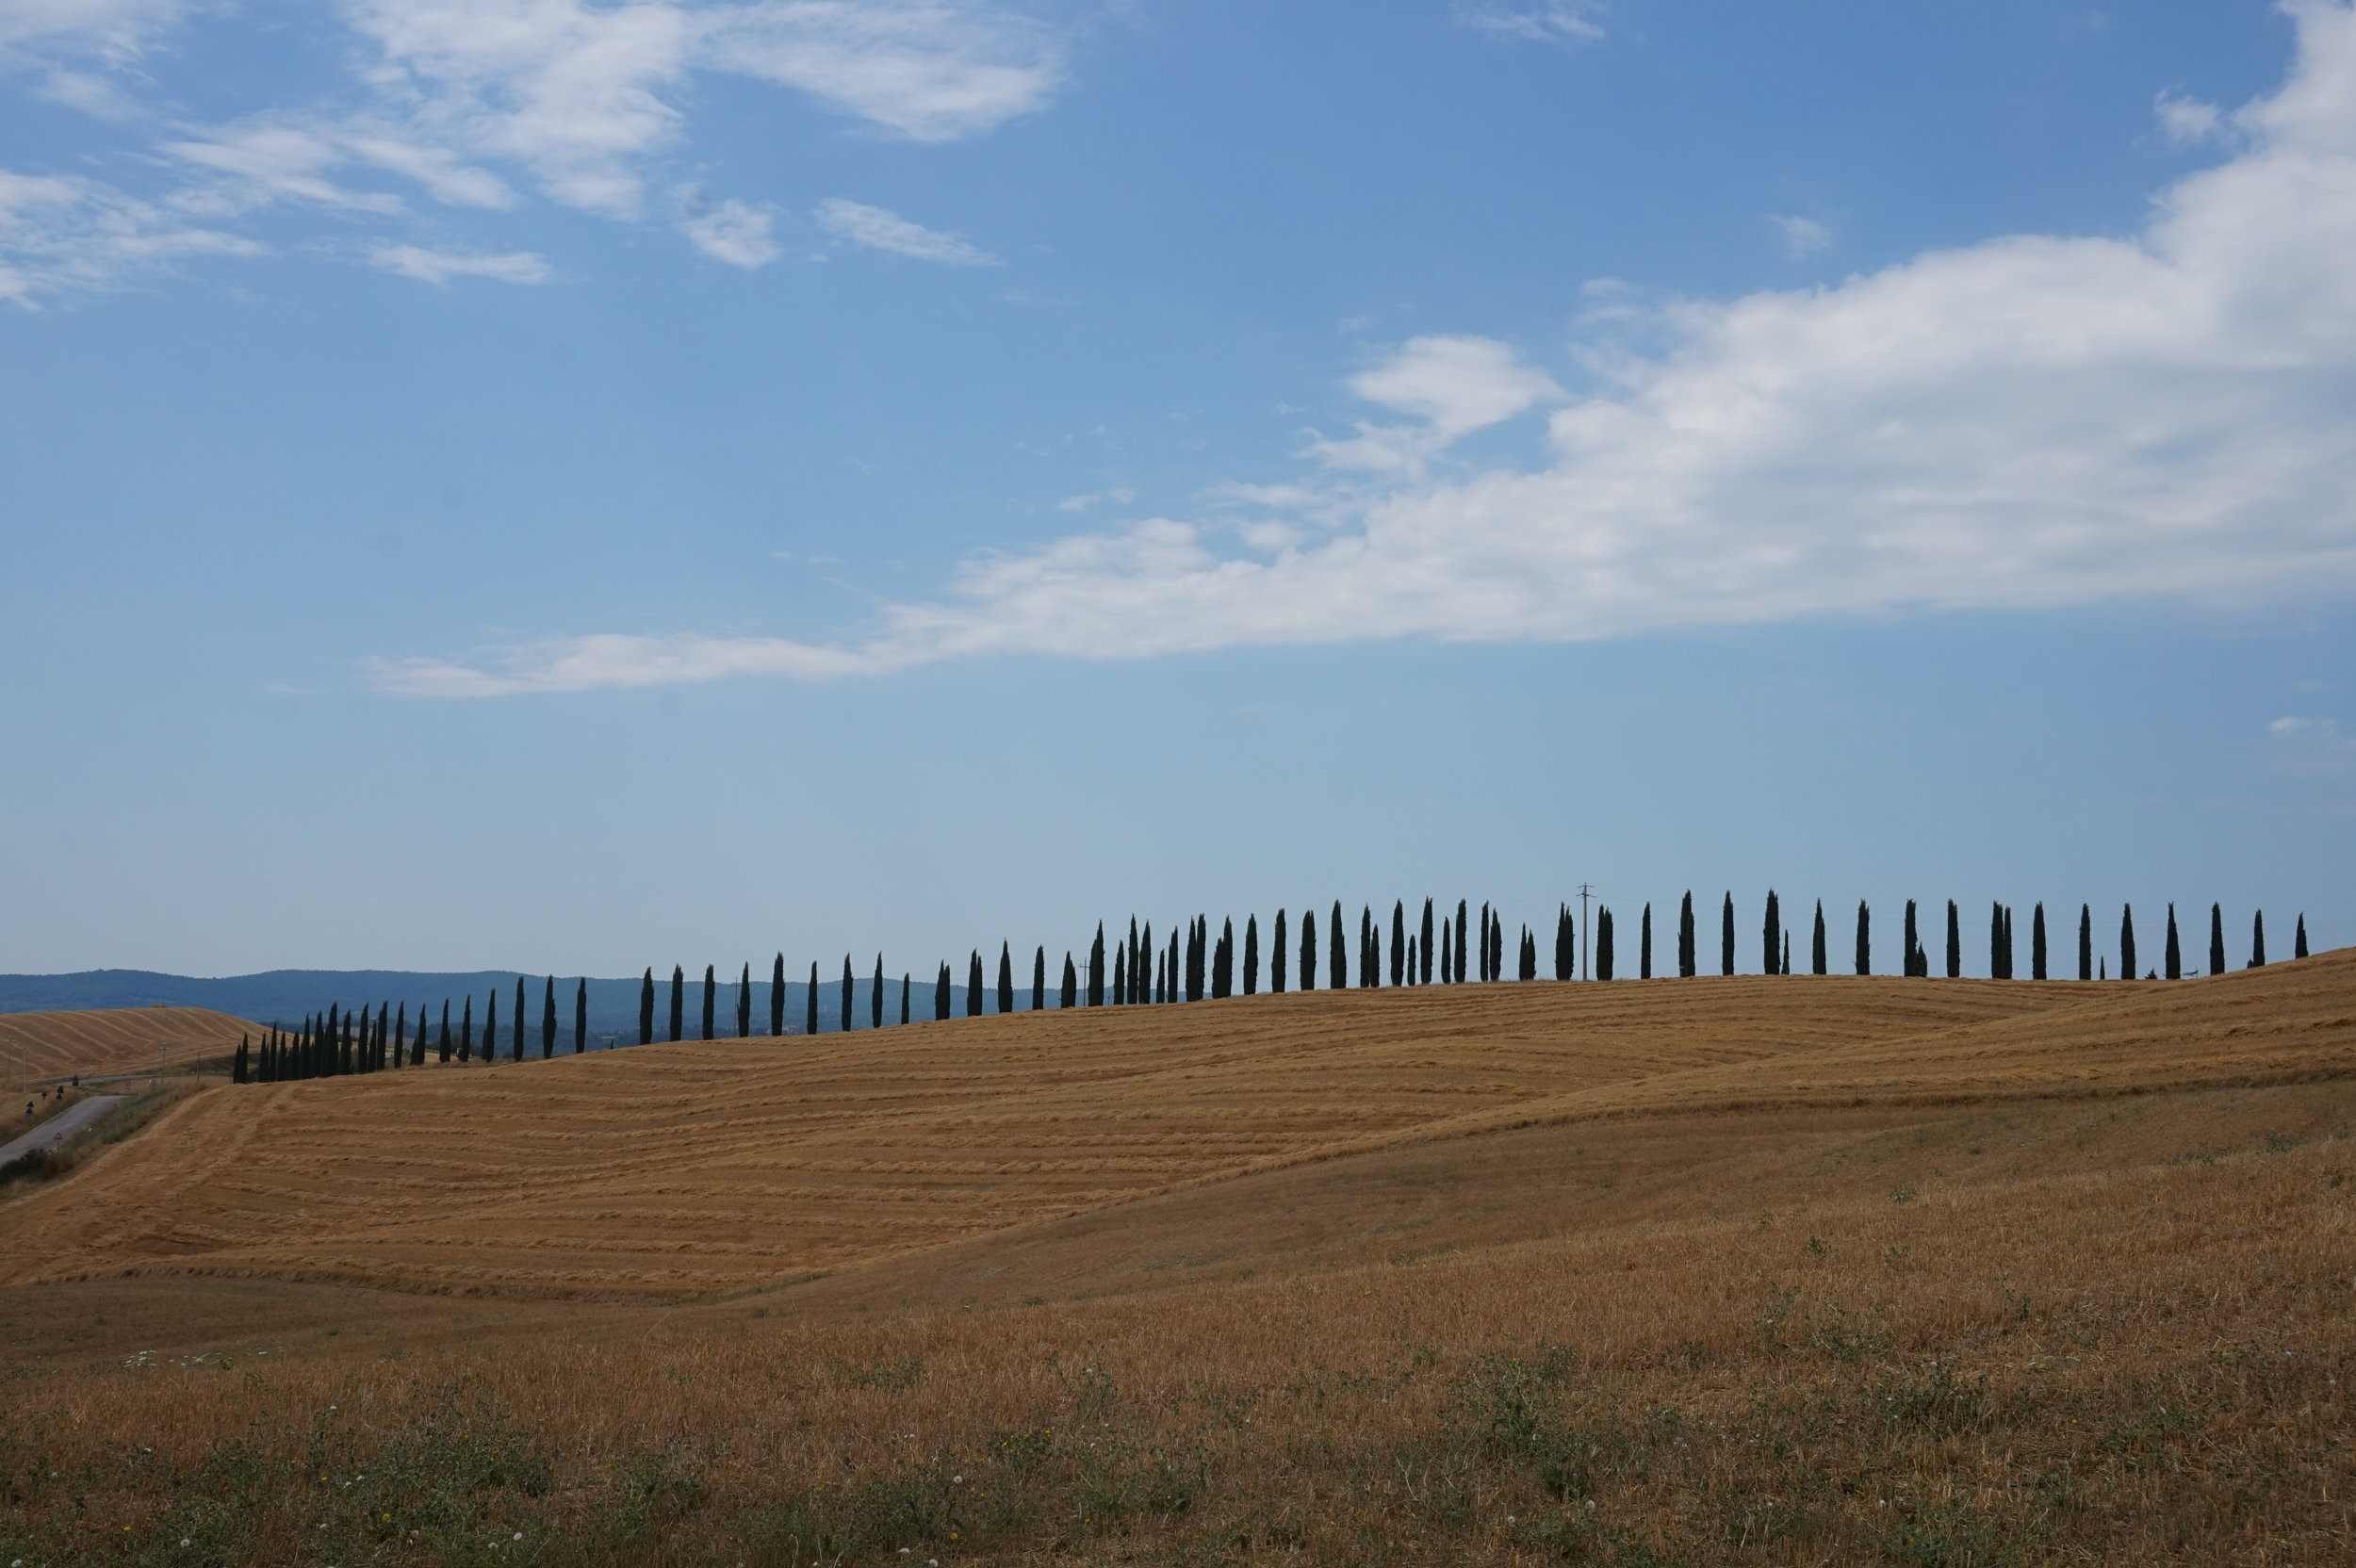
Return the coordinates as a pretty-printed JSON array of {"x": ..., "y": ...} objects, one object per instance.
[{"x": 1585, "y": 892}]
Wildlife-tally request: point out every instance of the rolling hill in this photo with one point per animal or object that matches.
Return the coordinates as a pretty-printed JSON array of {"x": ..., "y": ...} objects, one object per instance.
[{"x": 128, "y": 1039}]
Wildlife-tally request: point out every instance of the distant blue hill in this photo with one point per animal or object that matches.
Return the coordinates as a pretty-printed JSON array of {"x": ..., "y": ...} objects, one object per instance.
[{"x": 285, "y": 996}]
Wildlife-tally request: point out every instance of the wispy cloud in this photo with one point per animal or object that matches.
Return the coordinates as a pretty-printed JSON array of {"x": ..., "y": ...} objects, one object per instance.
[
  {"x": 733, "y": 232},
  {"x": 1549, "y": 21},
  {"x": 881, "y": 230},
  {"x": 59, "y": 235},
  {"x": 931, "y": 71},
  {"x": 1801, "y": 236},
  {"x": 2028, "y": 422},
  {"x": 2188, "y": 120},
  {"x": 439, "y": 266}
]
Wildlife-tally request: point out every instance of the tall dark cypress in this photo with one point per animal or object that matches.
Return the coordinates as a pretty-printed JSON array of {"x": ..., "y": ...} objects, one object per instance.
[
  {"x": 712, "y": 998},
  {"x": 2175, "y": 951},
  {"x": 1480, "y": 964},
  {"x": 1685, "y": 937},
  {"x": 465, "y": 1030},
  {"x": 1864, "y": 938},
  {"x": 1643, "y": 945},
  {"x": 2258, "y": 939},
  {"x": 846, "y": 1001},
  {"x": 1527, "y": 966},
  {"x": 1785, "y": 966},
  {"x": 1277, "y": 954},
  {"x": 1142, "y": 968},
  {"x": 1565, "y": 949},
  {"x": 1125, "y": 975},
  {"x": 1955, "y": 940},
  {"x": 2086, "y": 942},
  {"x": 580, "y": 1017},
  {"x": 875, "y": 997},
  {"x": 1447, "y": 952},
  {"x": 515, "y": 1031},
  {"x": 1816, "y": 954},
  {"x": 1038, "y": 979},
  {"x": 1194, "y": 966},
  {"x": 1223, "y": 959},
  {"x": 1996, "y": 943},
  {"x": 443, "y": 1049},
  {"x": 904, "y": 995},
  {"x": 678, "y": 1002},
  {"x": 2036, "y": 943},
  {"x": 1916, "y": 967},
  {"x": 1070, "y": 997},
  {"x": 1309, "y": 949},
  {"x": 809, "y": 998},
  {"x": 1398, "y": 943},
  {"x": 777, "y": 995},
  {"x": 1251, "y": 955},
  {"x": 1096, "y": 968},
  {"x": 2127, "y": 941},
  {"x": 645, "y": 1008},
  {"x": 1462, "y": 930},
  {"x": 1771, "y": 928},
  {"x": 1005, "y": 977},
  {"x": 401, "y": 1034},
  {"x": 2216, "y": 939},
  {"x": 1423, "y": 974},
  {"x": 940, "y": 993},
  {"x": 2298, "y": 941},
  {"x": 1336, "y": 956},
  {"x": 490, "y": 1027},
  {"x": 1603, "y": 942},
  {"x": 745, "y": 1001},
  {"x": 1369, "y": 963},
  {"x": 548, "y": 1020},
  {"x": 1725, "y": 937}
]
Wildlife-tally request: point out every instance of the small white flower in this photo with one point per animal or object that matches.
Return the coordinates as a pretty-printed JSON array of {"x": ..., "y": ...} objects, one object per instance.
[
  {"x": 519, "y": 1535},
  {"x": 956, "y": 1481}
]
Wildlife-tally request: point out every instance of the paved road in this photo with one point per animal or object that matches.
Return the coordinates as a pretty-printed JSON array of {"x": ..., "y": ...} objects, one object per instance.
[{"x": 62, "y": 1126}]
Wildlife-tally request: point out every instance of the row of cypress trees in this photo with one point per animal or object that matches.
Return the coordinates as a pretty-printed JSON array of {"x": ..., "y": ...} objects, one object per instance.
[{"x": 1193, "y": 964}]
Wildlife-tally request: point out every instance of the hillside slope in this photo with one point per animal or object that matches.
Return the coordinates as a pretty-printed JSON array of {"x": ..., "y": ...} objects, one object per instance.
[
  {"x": 127, "y": 1039},
  {"x": 687, "y": 1169}
]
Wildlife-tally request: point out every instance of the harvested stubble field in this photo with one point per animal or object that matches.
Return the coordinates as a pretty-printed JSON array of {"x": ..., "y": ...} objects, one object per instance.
[
  {"x": 120, "y": 1039},
  {"x": 1764, "y": 1270}
]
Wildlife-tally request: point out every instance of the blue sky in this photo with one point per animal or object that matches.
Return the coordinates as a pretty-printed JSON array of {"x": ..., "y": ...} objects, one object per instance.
[{"x": 568, "y": 486}]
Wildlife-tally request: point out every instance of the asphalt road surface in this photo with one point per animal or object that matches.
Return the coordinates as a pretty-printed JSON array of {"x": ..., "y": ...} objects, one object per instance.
[{"x": 62, "y": 1126}]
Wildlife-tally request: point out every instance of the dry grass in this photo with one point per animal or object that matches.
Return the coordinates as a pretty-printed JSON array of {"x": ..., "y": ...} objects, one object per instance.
[
  {"x": 120, "y": 1039},
  {"x": 2009, "y": 1274}
]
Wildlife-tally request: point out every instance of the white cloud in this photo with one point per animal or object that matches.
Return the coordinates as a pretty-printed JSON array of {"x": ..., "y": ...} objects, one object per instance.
[
  {"x": 263, "y": 163},
  {"x": 1801, "y": 236},
  {"x": 881, "y": 230},
  {"x": 114, "y": 28},
  {"x": 734, "y": 233},
  {"x": 59, "y": 235},
  {"x": 1551, "y": 22},
  {"x": 933, "y": 72},
  {"x": 439, "y": 266},
  {"x": 2188, "y": 120},
  {"x": 1453, "y": 385}
]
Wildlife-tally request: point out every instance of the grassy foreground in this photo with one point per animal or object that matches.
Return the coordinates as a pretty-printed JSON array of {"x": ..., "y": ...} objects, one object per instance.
[{"x": 1943, "y": 1330}]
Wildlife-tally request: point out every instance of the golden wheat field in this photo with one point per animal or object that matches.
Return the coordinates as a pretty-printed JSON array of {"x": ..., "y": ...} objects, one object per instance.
[
  {"x": 120, "y": 1039},
  {"x": 1794, "y": 1270}
]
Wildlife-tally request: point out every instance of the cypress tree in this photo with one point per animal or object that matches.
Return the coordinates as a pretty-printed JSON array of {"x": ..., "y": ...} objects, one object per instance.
[
  {"x": 2036, "y": 943},
  {"x": 904, "y": 996},
  {"x": 2298, "y": 938},
  {"x": 1370, "y": 953},
  {"x": 1336, "y": 958},
  {"x": 490, "y": 1028},
  {"x": 809, "y": 998},
  {"x": 1996, "y": 941},
  {"x": 940, "y": 993},
  {"x": 1005, "y": 977},
  {"x": 1309, "y": 950},
  {"x": 1864, "y": 938},
  {"x": 777, "y": 995},
  {"x": 1955, "y": 940},
  {"x": 1603, "y": 942},
  {"x": 1128, "y": 972},
  {"x": 1251, "y": 955},
  {"x": 1564, "y": 948},
  {"x": 875, "y": 996},
  {"x": 1685, "y": 937},
  {"x": 2175, "y": 952},
  {"x": 1223, "y": 959},
  {"x": 1785, "y": 967},
  {"x": 515, "y": 1030},
  {"x": 712, "y": 997},
  {"x": 2127, "y": 941},
  {"x": 1915, "y": 966},
  {"x": 679, "y": 1003},
  {"x": 1038, "y": 979},
  {"x": 645, "y": 1008},
  {"x": 1096, "y": 968},
  {"x": 1125, "y": 975},
  {"x": 1423, "y": 975},
  {"x": 1462, "y": 929},
  {"x": 1190, "y": 977},
  {"x": 1447, "y": 952},
  {"x": 548, "y": 1020},
  {"x": 1725, "y": 937},
  {"x": 445, "y": 1045},
  {"x": 2258, "y": 939},
  {"x": 1070, "y": 997},
  {"x": 848, "y": 1001},
  {"x": 401, "y": 1034},
  {"x": 1772, "y": 930},
  {"x": 1643, "y": 945},
  {"x": 1277, "y": 953},
  {"x": 2216, "y": 939},
  {"x": 1399, "y": 973},
  {"x": 466, "y": 1031},
  {"x": 745, "y": 1001},
  {"x": 1530, "y": 955},
  {"x": 2086, "y": 942},
  {"x": 1142, "y": 968},
  {"x": 1480, "y": 964}
]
